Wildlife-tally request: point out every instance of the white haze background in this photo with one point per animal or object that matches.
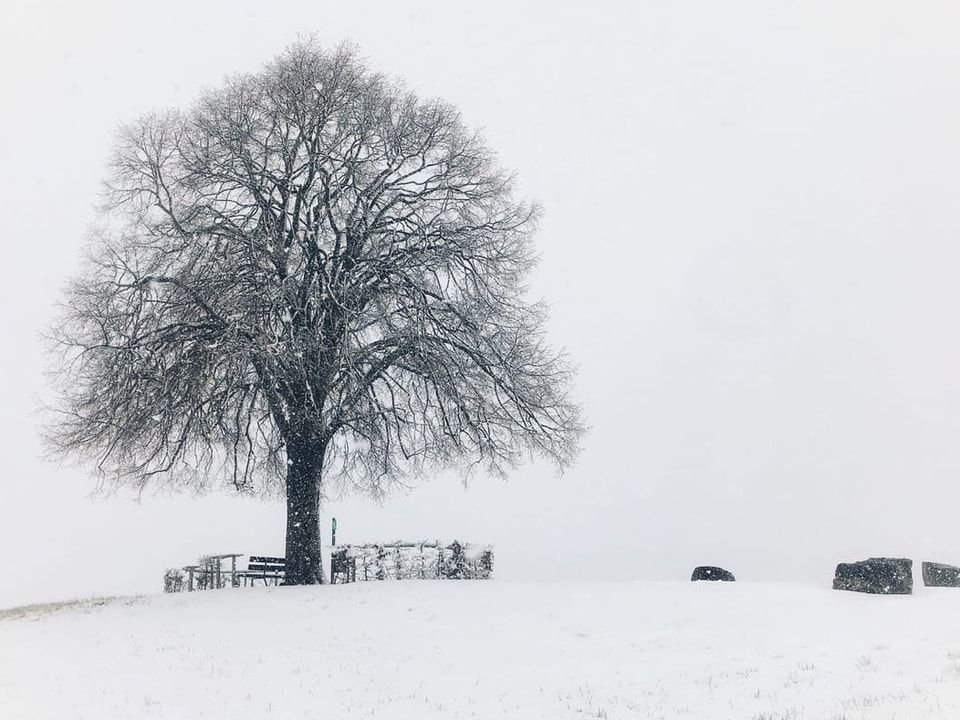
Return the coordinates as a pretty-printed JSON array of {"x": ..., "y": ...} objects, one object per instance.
[{"x": 749, "y": 244}]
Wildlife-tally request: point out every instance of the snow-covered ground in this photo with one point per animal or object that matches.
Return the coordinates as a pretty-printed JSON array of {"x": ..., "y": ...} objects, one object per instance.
[{"x": 474, "y": 649}]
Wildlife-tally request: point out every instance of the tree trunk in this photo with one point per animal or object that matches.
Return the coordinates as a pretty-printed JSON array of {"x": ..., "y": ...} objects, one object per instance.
[{"x": 304, "y": 469}]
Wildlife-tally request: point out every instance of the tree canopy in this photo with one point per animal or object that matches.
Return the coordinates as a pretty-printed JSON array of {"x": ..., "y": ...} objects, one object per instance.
[{"x": 310, "y": 278}]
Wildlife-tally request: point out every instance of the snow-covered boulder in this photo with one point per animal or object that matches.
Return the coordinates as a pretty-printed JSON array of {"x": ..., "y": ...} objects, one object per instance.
[
  {"x": 881, "y": 576},
  {"x": 940, "y": 575},
  {"x": 709, "y": 572}
]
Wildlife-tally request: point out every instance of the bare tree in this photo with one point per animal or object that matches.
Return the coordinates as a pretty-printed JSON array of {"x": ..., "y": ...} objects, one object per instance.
[{"x": 311, "y": 276}]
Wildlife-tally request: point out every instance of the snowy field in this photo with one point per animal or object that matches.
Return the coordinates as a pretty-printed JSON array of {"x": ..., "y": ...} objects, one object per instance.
[{"x": 446, "y": 649}]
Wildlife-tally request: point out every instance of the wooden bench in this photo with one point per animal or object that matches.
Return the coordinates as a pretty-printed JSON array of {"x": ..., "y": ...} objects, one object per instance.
[{"x": 264, "y": 568}]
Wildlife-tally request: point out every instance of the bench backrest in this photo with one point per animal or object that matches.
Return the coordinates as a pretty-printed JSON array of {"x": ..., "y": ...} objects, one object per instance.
[{"x": 259, "y": 563}]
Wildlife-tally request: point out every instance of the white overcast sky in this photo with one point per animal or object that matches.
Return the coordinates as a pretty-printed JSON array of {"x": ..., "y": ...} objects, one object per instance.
[{"x": 749, "y": 245}]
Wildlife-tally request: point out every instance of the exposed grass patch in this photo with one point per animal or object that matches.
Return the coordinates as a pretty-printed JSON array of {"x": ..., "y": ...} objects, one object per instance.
[{"x": 37, "y": 610}]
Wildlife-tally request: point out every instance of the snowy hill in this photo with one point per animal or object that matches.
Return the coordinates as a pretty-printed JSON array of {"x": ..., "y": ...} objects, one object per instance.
[{"x": 447, "y": 649}]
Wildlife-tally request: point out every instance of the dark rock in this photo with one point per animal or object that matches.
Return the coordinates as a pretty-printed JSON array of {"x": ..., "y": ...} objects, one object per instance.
[
  {"x": 708, "y": 572},
  {"x": 882, "y": 576},
  {"x": 940, "y": 575}
]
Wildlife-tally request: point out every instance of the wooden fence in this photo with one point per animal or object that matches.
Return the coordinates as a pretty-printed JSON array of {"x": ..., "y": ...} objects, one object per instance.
[{"x": 408, "y": 561}]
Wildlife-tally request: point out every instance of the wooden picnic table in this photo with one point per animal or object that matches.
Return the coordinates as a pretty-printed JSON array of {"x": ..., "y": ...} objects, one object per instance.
[{"x": 212, "y": 566}]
